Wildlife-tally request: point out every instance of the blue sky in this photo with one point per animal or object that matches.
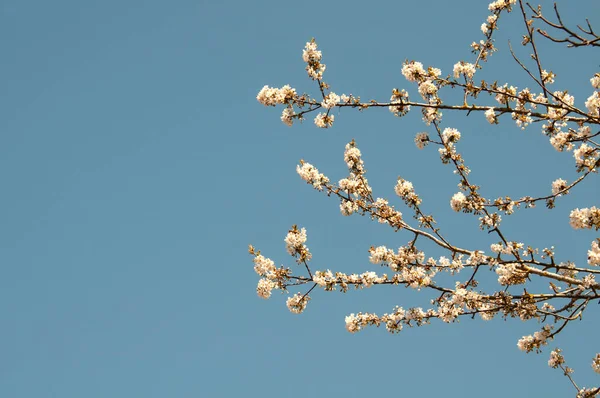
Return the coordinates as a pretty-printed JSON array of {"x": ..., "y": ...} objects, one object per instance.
[{"x": 137, "y": 165}]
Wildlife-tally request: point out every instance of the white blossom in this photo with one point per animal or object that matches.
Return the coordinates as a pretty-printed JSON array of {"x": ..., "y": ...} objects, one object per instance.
[
  {"x": 501, "y": 4},
  {"x": 458, "y": 201},
  {"x": 310, "y": 52},
  {"x": 535, "y": 341},
  {"x": 398, "y": 98},
  {"x": 431, "y": 115},
  {"x": 348, "y": 207},
  {"x": 496, "y": 247},
  {"x": 559, "y": 185},
  {"x": 588, "y": 281},
  {"x": 427, "y": 88},
  {"x": 560, "y": 142},
  {"x": 294, "y": 241},
  {"x": 448, "y": 312},
  {"x": 271, "y": 96},
  {"x": 563, "y": 99},
  {"x": 287, "y": 116},
  {"x": 322, "y": 120},
  {"x": 548, "y": 77},
  {"x": 594, "y": 253},
  {"x": 585, "y": 218},
  {"x": 586, "y": 155},
  {"x": 323, "y": 278},
  {"x": 404, "y": 188},
  {"x": 450, "y": 135},
  {"x": 596, "y": 363},
  {"x": 556, "y": 358},
  {"x": 330, "y": 101},
  {"x": 297, "y": 303},
  {"x": 595, "y": 80},
  {"x": 464, "y": 68},
  {"x": 413, "y": 71},
  {"x": 490, "y": 116},
  {"x": 264, "y": 288},
  {"x": 506, "y": 94},
  {"x": 352, "y": 324},
  {"x": 421, "y": 140},
  {"x": 381, "y": 254},
  {"x": 593, "y": 104},
  {"x": 312, "y": 57},
  {"x": 584, "y": 131},
  {"x": 263, "y": 265},
  {"x": 510, "y": 274},
  {"x": 311, "y": 175}
]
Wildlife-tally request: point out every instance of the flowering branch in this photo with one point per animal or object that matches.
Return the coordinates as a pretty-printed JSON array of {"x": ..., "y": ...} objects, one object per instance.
[{"x": 513, "y": 265}]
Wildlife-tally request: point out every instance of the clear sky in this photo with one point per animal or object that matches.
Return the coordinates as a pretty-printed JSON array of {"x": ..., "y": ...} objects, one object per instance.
[{"x": 136, "y": 166}]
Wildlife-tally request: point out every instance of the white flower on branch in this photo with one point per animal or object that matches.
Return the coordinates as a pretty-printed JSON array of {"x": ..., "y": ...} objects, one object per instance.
[
  {"x": 264, "y": 288},
  {"x": 585, "y": 218},
  {"x": 413, "y": 71},
  {"x": 271, "y": 96},
  {"x": 324, "y": 279},
  {"x": 330, "y": 100},
  {"x": 311, "y": 175},
  {"x": 381, "y": 254},
  {"x": 594, "y": 253},
  {"x": 565, "y": 101},
  {"x": 297, "y": 303},
  {"x": 535, "y": 341},
  {"x": 593, "y": 104},
  {"x": 496, "y": 247},
  {"x": 448, "y": 311},
  {"x": 450, "y": 135},
  {"x": 548, "y": 77},
  {"x": 499, "y": 5},
  {"x": 464, "y": 68},
  {"x": 584, "y": 132},
  {"x": 511, "y": 274},
  {"x": 431, "y": 115},
  {"x": 416, "y": 277},
  {"x": 588, "y": 281},
  {"x": 310, "y": 52},
  {"x": 560, "y": 142},
  {"x": 421, "y": 140},
  {"x": 406, "y": 191},
  {"x": 490, "y": 116},
  {"x": 398, "y": 99},
  {"x": 556, "y": 358},
  {"x": 458, "y": 201},
  {"x": 490, "y": 221},
  {"x": 348, "y": 207},
  {"x": 312, "y": 57},
  {"x": 586, "y": 156},
  {"x": 596, "y": 363},
  {"x": 322, "y": 120},
  {"x": 263, "y": 265},
  {"x": 559, "y": 185},
  {"x": 427, "y": 88},
  {"x": 506, "y": 94},
  {"x": 490, "y": 24},
  {"x": 587, "y": 393},
  {"x": 294, "y": 243},
  {"x": 287, "y": 116},
  {"x": 595, "y": 80},
  {"x": 352, "y": 157}
]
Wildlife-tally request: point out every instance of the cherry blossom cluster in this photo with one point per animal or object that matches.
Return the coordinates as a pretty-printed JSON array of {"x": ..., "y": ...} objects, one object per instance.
[{"x": 536, "y": 340}]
